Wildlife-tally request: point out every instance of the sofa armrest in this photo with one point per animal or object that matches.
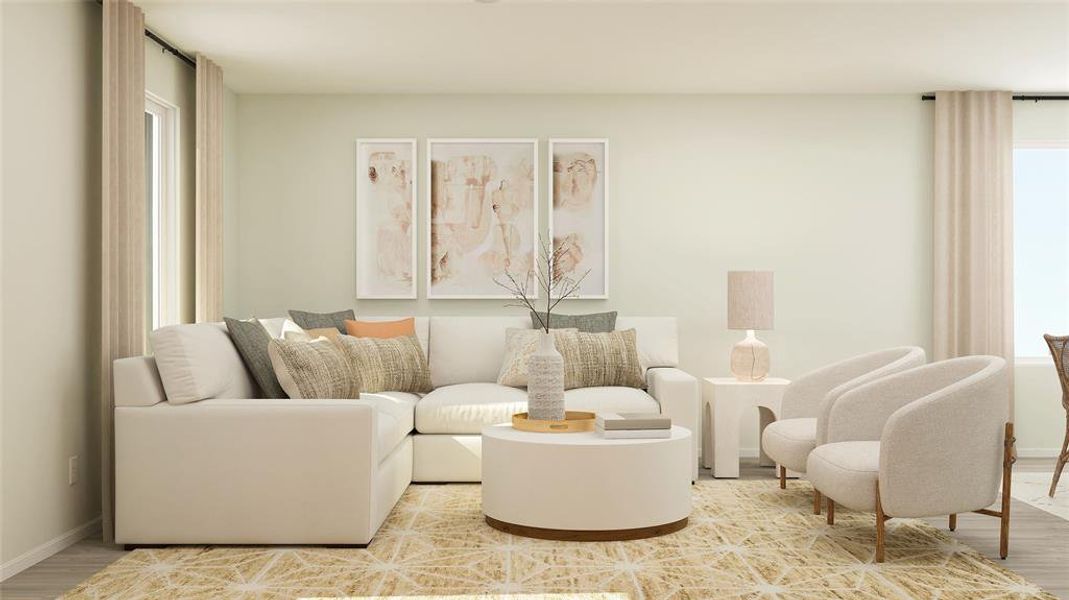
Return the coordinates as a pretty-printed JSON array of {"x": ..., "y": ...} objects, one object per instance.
[
  {"x": 136, "y": 382},
  {"x": 246, "y": 471},
  {"x": 679, "y": 395}
]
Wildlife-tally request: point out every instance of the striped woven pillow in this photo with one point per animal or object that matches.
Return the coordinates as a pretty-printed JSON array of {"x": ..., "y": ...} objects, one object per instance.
[
  {"x": 388, "y": 364},
  {"x": 313, "y": 369},
  {"x": 600, "y": 359}
]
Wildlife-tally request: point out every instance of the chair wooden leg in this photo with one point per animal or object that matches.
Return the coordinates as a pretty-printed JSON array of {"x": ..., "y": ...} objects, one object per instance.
[
  {"x": 880, "y": 533},
  {"x": 953, "y": 522},
  {"x": 831, "y": 512},
  {"x": 1062, "y": 459},
  {"x": 782, "y": 477},
  {"x": 816, "y": 502},
  {"x": 1009, "y": 456}
]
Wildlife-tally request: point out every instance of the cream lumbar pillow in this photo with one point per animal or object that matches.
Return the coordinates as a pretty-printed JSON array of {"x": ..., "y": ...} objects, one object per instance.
[
  {"x": 394, "y": 364},
  {"x": 600, "y": 359},
  {"x": 520, "y": 344},
  {"x": 313, "y": 369}
]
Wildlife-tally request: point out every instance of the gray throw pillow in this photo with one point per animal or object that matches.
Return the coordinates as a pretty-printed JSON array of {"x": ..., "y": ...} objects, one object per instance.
[
  {"x": 251, "y": 339},
  {"x": 592, "y": 323},
  {"x": 311, "y": 320}
]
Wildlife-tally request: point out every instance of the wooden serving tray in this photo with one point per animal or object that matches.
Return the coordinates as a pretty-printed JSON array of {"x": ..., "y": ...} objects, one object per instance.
[{"x": 575, "y": 421}]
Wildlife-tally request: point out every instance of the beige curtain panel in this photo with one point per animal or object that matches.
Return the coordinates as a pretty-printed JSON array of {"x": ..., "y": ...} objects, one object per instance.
[
  {"x": 209, "y": 242},
  {"x": 973, "y": 225},
  {"x": 123, "y": 256}
]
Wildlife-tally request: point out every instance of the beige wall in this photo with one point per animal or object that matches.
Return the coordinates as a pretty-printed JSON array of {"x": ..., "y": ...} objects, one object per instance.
[
  {"x": 176, "y": 82},
  {"x": 830, "y": 192},
  {"x": 49, "y": 278},
  {"x": 1040, "y": 418}
]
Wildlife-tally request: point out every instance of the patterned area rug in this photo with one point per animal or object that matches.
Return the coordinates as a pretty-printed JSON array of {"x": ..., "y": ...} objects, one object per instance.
[
  {"x": 1032, "y": 488},
  {"x": 747, "y": 539}
]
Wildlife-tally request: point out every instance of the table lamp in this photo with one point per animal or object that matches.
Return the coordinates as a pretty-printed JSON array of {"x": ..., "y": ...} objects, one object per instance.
[{"x": 750, "y": 308}]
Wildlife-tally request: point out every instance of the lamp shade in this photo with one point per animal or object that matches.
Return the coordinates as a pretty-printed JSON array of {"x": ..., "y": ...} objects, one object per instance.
[{"x": 750, "y": 300}]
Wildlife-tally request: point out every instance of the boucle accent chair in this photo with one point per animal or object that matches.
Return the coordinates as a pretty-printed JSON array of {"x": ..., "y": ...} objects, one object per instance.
[
  {"x": 807, "y": 400},
  {"x": 930, "y": 441}
]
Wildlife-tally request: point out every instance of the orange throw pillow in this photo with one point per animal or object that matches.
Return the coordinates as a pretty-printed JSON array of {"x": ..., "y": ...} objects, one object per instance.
[{"x": 381, "y": 329}]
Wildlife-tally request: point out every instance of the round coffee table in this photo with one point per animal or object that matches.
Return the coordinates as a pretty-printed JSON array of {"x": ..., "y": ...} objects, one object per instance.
[{"x": 583, "y": 487}]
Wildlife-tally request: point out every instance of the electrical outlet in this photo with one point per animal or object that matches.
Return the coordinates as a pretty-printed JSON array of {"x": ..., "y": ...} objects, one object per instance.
[{"x": 72, "y": 470}]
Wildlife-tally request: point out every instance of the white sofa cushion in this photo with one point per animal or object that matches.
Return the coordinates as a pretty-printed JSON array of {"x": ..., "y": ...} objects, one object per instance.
[
  {"x": 467, "y": 407},
  {"x": 198, "y": 361},
  {"x": 469, "y": 349},
  {"x": 657, "y": 339},
  {"x": 610, "y": 399},
  {"x": 789, "y": 442},
  {"x": 279, "y": 326},
  {"x": 846, "y": 472}
]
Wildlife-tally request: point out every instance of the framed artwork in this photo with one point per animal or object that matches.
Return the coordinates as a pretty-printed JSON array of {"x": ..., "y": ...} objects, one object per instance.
[
  {"x": 579, "y": 211},
  {"x": 385, "y": 219},
  {"x": 482, "y": 212}
]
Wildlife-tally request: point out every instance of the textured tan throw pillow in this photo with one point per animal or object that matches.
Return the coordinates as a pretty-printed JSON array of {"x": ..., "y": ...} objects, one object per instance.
[
  {"x": 520, "y": 344},
  {"x": 307, "y": 335},
  {"x": 313, "y": 369},
  {"x": 600, "y": 359},
  {"x": 388, "y": 364}
]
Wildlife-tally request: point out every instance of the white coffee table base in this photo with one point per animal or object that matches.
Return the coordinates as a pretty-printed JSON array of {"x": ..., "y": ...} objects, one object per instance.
[{"x": 583, "y": 487}]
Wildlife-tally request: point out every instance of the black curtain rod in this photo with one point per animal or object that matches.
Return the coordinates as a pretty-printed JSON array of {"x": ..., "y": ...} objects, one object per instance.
[
  {"x": 169, "y": 48},
  {"x": 166, "y": 45},
  {"x": 1021, "y": 97}
]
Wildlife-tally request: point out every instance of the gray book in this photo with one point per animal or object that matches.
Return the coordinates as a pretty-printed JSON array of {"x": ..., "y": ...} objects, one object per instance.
[
  {"x": 634, "y": 434},
  {"x": 633, "y": 421}
]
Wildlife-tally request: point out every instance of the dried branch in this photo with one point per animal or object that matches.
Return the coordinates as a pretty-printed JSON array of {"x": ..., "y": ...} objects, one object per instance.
[{"x": 556, "y": 285}]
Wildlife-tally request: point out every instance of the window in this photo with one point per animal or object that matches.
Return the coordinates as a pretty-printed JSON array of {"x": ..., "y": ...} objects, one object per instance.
[
  {"x": 1041, "y": 245},
  {"x": 161, "y": 211}
]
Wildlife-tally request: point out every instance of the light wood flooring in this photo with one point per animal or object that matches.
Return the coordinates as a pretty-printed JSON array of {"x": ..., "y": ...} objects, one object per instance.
[{"x": 1039, "y": 547}]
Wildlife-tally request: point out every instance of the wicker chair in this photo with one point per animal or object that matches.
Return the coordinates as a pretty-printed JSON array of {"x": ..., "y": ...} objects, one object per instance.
[{"x": 1059, "y": 349}]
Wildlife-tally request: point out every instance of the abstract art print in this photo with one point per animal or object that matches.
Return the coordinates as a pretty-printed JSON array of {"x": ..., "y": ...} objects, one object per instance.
[
  {"x": 579, "y": 210},
  {"x": 483, "y": 215},
  {"x": 385, "y": 219}
]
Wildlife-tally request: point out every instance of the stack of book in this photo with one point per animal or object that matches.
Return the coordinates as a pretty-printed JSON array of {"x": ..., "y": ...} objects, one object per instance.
[{"x": 633, "y": 425}]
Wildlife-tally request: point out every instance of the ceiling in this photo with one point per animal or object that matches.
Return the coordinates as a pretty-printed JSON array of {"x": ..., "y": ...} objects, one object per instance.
[{"x": 449, "y": 46}]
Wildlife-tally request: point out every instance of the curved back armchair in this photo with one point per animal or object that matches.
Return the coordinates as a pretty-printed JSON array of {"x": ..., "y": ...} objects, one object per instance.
[
  {"x": 1059, "y": 350},
  {"x": 806, "y": 395},
  {"x": 806, "y": 401},
  {"x": 933, "y": 440}
]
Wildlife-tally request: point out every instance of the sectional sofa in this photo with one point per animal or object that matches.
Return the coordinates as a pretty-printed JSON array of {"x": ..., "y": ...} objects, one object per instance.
[{"x": 234, "y": 469}]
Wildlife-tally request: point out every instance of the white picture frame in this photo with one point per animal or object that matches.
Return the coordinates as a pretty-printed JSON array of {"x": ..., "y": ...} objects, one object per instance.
[
  {"x": 590, "y": 221},
  {"x": 497, "y": 161},
  {"x": 381, "y": 228}
]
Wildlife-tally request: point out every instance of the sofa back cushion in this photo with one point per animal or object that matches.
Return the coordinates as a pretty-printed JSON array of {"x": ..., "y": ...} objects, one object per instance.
[
  {"x": 657, "y": 339},
  {"x": 198, "y": 361},
  {"x": 469, "y": 349}
]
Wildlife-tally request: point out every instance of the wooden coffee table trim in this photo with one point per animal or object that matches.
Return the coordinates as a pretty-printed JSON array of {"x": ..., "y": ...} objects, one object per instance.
[{"x": 594, "y": 535}]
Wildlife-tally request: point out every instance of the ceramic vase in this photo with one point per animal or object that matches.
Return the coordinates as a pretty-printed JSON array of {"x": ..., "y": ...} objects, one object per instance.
[
  {"x": 749, "y": 359},
  {"x": 545, "y": 381}
]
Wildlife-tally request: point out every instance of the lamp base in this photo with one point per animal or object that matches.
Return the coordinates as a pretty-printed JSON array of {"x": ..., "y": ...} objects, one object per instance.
[{"x": 750, "y": 360}]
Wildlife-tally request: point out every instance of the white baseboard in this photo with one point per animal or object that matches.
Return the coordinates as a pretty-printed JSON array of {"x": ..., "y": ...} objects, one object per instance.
[
  {"x": 1038, "y": 453},
  {"x": 35, "y": 555},
  {"x": 1021, "y": 452}
]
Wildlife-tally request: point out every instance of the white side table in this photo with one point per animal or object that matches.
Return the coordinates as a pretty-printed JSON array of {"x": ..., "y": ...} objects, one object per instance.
[{"x": 724, "y": 399}]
